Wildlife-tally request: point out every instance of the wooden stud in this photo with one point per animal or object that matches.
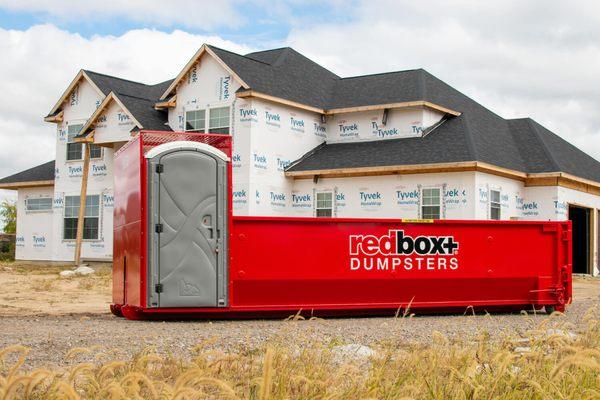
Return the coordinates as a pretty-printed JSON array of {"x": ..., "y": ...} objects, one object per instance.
[{"x": 82, "y": 203}]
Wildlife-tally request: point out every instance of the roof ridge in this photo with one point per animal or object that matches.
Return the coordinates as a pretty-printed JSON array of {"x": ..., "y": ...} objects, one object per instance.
[
  {"x": 122, "y": 79},
  {"x": 284, "y": 53},
  {"x": 236, "y": 54},
  {"x": 264, "y": 51},
  {"x": 469, "y": 136},
  {"x": 382, "y": 73},
  {"x": 134, "y": 97},
  {"x": 545, "y": 147}
]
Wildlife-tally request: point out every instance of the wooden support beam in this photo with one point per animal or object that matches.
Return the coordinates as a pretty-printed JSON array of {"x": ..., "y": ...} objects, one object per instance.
[
  {"x": 55, "y": 118},
  {"x": 82, "y": 202},
  {"x": 164, "y": 105}
]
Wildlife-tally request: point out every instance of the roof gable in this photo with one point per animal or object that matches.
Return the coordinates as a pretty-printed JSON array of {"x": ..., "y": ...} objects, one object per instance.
[
  {"x": 201, "y": 52},
  {"x": 80, "y": 75},
  {"x": 140, "y": 110}
]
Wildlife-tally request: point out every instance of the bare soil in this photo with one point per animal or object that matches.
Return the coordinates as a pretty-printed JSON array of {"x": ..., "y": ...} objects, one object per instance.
[{"x": 53, "y": 315}]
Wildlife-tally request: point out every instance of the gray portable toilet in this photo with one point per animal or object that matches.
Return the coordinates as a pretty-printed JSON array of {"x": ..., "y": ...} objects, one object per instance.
[{"x": 187, "y": 218}]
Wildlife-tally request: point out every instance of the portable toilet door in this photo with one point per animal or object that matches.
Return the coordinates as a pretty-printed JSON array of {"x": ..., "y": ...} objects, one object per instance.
[{"x": 187, "y": 214}]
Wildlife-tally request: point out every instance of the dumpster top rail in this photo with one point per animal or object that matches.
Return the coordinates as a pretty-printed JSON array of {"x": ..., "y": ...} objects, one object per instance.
[{"x": 149, "y": 139}]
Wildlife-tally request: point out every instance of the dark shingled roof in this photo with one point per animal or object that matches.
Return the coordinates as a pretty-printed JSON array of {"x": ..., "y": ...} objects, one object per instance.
[
  {"x": 44, "y": 172},
  {"x": 108, "y": 83},
  {"x": 143, "y": 110},
  {"x": 283, "y": 73},
  {"x": 476, "y": 135},
  {"x": 138, "y": 98}
]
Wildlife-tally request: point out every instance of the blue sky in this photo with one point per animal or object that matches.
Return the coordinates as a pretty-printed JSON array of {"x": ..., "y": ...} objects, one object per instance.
[{"x": 259, "y": 24}]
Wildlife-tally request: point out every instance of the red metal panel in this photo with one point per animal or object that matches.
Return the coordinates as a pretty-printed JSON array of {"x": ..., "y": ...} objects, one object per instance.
[
  {"x": 127, "y": 216},
  {"x": 331, "y": 263}
]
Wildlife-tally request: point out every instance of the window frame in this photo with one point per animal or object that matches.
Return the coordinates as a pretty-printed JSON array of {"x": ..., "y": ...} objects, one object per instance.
[
  {"x": 495, "y": 205},
  {"x": 185, "y": 121},
  {"x": 438, "y": 204},
  {"x": 39, "y": 210},
  {"x": 71, "y": 143},
  {"x": 91, "y": 219},
  {"x": 321, "y": 208},
  {"x": 98, "y": 147},
  {"x": 211, "y": 129}
]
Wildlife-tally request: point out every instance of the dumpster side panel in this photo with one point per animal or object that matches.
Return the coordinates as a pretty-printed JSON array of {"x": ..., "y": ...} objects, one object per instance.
[
  {"x": 316, "y": 263},
  {"x": 127, "y": 280}
]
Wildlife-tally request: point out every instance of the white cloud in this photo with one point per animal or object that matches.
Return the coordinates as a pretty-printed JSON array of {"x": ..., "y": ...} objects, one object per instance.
[
  {"x": 40, "y": 62},
  {"x": 519, "y": 58},
  {"x": 204, "y": 15}
]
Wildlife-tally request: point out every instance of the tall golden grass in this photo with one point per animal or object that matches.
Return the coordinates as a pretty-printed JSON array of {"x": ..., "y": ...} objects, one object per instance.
[{"x": 542, "y": 364}]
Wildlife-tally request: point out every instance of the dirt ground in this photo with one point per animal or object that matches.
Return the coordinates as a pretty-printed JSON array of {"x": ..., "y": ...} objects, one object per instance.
[{"x": 54, "y": 315}]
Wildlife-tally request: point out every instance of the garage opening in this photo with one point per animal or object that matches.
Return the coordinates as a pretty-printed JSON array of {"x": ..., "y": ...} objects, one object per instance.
[{"x": 580, "y": 220}]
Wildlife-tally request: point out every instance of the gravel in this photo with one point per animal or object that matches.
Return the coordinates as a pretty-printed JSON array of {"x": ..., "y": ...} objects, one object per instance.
[{"x": 51, "y": 337}]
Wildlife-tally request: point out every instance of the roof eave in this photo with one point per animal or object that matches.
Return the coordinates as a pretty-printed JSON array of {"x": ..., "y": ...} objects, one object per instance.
[
  {"x": 406, "y": 104},
  {"x": 460, "y": 166},
  {"x": 29, "y": 184},
  {"x": 166, "y": 104}
]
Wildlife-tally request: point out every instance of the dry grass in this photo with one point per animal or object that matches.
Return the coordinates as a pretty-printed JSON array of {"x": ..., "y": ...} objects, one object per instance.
[{"x": 543, "y": 364}]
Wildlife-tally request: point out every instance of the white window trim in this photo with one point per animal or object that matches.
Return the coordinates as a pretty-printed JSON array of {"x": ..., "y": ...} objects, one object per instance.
[
  {"x": 82, "y": 123},
  {"x": 185, "y": 111},
  {"x": 49, "y": 210},
  {"x": 207, "y": 110},
  {"x": 499, "y": 203},
  {"x": 100, "y": 219},
  {"x": 101, "y": 153},
  {"x": 439, "y": 189},
  {"x": 207, "y": 119},
  {"x": 316, "y": 207}
]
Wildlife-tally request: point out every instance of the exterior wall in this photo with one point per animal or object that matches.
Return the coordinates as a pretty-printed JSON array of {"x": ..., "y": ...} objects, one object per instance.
[
  {"x": 393, "y": 196},
  {"x": 401, "y": 123},
  {"x": 207, "y": 85},
  {"x": 278, "y": 135},
  {"x": 113, "y": 125},
  {"x": 568, "y": 197},
  {"x": 511, "y": 196},
  {"x": 68, "y": 182},
  {"x": 34, "y": 228},
  {"x": 541, "y": 204}
]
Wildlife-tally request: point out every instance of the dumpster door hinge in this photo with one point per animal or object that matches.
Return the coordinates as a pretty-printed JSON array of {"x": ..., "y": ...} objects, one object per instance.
[
  {"x": 158, "y": 288},
  {"x": 158, "y": 228},
  {"x": 159, "y": 168}
]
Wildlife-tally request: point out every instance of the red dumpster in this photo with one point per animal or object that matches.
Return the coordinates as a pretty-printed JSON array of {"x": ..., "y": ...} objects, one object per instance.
[{"x": 180, "y": 253}]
